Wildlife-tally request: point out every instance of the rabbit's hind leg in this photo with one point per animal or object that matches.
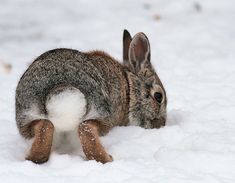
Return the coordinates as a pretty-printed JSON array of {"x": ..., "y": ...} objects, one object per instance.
[
  {"x": 43, "y": 136},
  {"x": 89, "y": 132}
]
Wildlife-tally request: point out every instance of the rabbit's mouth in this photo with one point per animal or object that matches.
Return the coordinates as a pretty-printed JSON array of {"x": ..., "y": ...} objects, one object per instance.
[
  {"x": 158, "y": 122},
  {"x": 151, "y": 123},
  {"x": 154, "y": 123}
]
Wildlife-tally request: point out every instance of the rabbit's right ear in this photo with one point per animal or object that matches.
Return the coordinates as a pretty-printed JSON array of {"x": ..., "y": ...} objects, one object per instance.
[
  {"x": 126, "y": 44},
  {"x": 139, "y": 53}
]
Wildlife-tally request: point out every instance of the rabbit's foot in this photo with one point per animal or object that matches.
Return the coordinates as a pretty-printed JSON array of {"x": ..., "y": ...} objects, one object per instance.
[
  {"x": 99, "y": 156},
  {"x": 43, "y": 135},
  {"x": 38, "y": 157},
  {"x": 89, "y": 135}
]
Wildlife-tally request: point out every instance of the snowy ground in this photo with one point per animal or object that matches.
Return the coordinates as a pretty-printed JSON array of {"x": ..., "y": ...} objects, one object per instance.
[{"x": 192, "y": 43}]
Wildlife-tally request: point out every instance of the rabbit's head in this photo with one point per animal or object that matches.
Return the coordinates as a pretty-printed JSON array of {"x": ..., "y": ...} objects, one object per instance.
[{"x": 148, "y": 99}]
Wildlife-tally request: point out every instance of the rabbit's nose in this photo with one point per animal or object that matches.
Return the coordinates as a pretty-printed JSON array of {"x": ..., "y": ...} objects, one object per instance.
[{"x": 158, "y": 122}]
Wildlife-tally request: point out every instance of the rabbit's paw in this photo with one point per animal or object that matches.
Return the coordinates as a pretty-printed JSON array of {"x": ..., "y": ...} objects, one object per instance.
[{"x": 38, "y": 158}]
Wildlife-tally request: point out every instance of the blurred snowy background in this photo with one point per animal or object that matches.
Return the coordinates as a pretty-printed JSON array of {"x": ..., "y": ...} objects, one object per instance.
[{"x": 193, "y": 51}]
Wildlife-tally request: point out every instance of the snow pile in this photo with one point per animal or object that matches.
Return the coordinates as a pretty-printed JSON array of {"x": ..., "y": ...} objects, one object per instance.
[{"x": 192, "y": 45}]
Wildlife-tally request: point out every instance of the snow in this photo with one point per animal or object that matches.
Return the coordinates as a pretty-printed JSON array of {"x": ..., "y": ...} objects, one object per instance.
[{"x": 192, "y": 44}]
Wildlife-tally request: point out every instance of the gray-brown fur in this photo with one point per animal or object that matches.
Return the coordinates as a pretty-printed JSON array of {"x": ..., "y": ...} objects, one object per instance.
[
  {"x": 120, "y": 93},
  {"x": 100, "y": 78}
]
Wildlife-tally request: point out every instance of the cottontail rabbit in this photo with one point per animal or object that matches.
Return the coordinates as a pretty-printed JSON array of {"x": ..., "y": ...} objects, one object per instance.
[{"x": 66, "y": 90}]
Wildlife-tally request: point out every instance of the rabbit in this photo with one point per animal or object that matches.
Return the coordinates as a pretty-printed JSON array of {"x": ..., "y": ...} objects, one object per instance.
[{"x": 67, "y": 90}]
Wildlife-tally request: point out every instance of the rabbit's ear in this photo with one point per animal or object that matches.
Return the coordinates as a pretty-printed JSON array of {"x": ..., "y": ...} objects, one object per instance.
[
  {"x": 126, "y": 44},
  {"x": 139, "y": 53}
]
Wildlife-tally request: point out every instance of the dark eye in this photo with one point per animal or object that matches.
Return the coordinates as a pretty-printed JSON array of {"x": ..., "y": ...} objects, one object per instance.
[{"x": 158, "y": 97}]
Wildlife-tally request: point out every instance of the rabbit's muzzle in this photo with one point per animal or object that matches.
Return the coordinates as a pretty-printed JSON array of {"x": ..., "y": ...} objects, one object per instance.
[
  {"x": 154, "y": 123},
  {"x": 158, "y": 122}
]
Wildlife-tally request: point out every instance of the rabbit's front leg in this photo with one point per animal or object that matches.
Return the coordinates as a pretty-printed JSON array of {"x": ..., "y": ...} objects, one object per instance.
[
  {"x": 89, "y": 132},
  {"x": 43, "y": 136}
]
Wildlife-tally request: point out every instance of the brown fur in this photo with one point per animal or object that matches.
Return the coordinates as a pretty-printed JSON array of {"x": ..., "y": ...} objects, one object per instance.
[
  {"x": 98, "y": 53},
  {"x": 89, "y": 132},
  {"x": 40, "y": 151}
]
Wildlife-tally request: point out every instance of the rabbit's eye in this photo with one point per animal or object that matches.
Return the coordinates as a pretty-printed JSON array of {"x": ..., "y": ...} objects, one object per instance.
[{"x": 158, "y": 97}]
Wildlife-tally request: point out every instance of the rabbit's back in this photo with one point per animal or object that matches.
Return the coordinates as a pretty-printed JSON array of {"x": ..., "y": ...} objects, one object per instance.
[{"x": 97, "y": 76}]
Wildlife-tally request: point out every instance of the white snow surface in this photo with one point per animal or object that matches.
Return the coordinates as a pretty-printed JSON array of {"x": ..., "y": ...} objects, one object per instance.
[{"x": 192, "y": 47}]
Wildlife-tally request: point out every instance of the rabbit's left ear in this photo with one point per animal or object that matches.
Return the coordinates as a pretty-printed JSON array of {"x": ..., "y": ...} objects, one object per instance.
[
  {"x": 139, "y": 53},
  {"x": 126, "y": 44}
]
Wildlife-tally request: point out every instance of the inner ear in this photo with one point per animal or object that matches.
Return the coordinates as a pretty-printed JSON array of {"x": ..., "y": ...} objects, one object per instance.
[{"x": 139, "y": 52}]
